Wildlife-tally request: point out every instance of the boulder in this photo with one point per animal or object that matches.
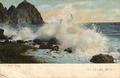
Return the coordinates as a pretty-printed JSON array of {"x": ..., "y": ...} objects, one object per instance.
[
  {"x": 69, "y": 50},
  {"x": 1, "y": 32},
  {"x": 20, "y": 41},
  {"x": 102, "y": 58},
  {"x": 44, "y": 45},
  {"x": 47, "y": 44},
  {"x": 2, "y": 36},
  {"x": 37, "y": 41},
  {"x": 26, "y": 12},
  {"x": 55, "y": 48},
  {"x": 53, "y": 57},
  {"x": 53, "y": 41}
]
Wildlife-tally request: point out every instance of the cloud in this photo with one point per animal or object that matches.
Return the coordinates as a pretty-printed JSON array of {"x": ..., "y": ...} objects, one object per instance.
[
  {"x": 116, "y": 11},
  {"x": 92, "y": 11},
  {"x": 85, "y": 3},
  {"x": 90, "y": 14}
]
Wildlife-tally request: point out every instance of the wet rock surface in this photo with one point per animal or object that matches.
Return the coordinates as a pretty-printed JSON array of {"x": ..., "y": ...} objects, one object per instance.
[
  {"x": 37, "y": 41},
  {"x": 102, "y": 58},
  {"x": 2, "y": 36},
  {"x": 69, "y": 50},
  {"x": 47, "y": 44}
]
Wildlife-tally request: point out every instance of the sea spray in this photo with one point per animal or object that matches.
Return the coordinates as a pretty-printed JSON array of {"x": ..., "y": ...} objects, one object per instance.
[
  {"x": 25, "y": 33},
  {"x": 69, "y": 33},
  {"x": 72, "y": 35},
  {"x": 80, "y": 39},
  {"x": 8, "y": 30},
  {"x": 47, "y": 31}
]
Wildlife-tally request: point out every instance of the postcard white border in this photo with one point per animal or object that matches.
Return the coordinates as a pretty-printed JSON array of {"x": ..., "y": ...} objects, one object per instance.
[{"x": 60, "y": 70}]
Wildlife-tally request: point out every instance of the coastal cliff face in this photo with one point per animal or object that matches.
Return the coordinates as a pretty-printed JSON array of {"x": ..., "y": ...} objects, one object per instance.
[
  {"x": 24, "y": 12},
  {"x": 3, "y": 14}
]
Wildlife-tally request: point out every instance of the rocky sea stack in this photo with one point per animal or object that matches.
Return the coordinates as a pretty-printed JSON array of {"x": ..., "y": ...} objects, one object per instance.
[{"x": 24, "y": 12}]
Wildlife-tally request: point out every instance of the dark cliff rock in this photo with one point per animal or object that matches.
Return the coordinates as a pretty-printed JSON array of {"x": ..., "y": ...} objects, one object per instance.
[
  {"x": 101, "y": 58},
  {"x": 1, "y": 33},
  {"x": 11, "y": 10},
  {"x": 4, "y": 18},
  {"x": 2, "y": 36},
  {"x": 26, "y": 12}
]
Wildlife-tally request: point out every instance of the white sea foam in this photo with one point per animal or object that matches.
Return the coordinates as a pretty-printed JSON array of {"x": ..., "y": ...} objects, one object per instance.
[
  {"x": 72, "y": 34},
  {"x": 68, "y": 32},
  {"x": 84, "y": 42}
]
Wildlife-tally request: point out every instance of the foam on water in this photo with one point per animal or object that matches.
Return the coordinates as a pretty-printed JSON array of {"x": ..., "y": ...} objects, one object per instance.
[
  {"x": 71, "y": 34},
  {"x": 85, "y": 42},
  {"x": 67, "y": 31},
  {"x": 59, "y": 57}
]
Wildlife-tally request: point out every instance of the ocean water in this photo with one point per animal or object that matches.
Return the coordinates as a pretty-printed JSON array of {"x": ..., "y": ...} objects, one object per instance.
[
  {"x": 110, "y": 31},
  {"x": 85, "y": 39},
  {"x": 64, "y": 20}
]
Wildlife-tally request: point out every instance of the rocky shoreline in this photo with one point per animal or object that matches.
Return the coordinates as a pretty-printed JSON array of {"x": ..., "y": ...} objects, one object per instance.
[
  {"x": 10, "y": 51},
  {"x": 13, "y": 51}
]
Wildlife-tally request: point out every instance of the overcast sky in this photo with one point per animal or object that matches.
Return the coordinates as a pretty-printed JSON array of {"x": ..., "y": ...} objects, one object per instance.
[{"x": 102, "y": 10}]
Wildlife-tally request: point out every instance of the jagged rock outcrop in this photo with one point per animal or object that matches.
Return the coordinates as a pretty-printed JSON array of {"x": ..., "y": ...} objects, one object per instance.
[
  {"x": 4, "y": 18},
  {"x": 11, "y": 10},
  {"x": 2, "y": 36},
  {"x": 24, "y": 12},
  {"x": 102, "y": 58}
]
